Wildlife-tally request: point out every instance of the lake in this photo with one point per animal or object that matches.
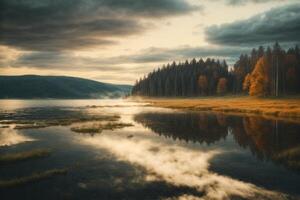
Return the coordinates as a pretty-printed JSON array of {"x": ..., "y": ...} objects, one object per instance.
[{"x": 118, "y": 149}]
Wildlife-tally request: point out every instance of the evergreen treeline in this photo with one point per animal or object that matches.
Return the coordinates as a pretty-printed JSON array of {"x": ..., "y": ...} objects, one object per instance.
[
  {"x": 271, "y": 71},
  {"x": 183, "y": 79}
]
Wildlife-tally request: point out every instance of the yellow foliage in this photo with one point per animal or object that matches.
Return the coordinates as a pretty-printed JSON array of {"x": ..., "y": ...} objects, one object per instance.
[
  {"x": 259, "y": 79},
  {"x": 246, "y": 83}
]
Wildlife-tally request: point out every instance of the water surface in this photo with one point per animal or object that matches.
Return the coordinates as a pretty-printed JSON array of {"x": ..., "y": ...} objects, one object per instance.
[{"x": 166, "y": 154}]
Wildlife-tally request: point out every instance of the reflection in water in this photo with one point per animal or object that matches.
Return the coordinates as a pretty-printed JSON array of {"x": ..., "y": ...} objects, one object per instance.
[
  {"x": 267, "y": 139},
  {"x": 10, "y": 137},
  {"x": 177, "y": 165},
  {"x": 185, "y": 126}
]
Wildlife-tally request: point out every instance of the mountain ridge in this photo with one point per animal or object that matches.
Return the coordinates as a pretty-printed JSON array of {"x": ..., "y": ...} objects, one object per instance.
[{"x": 63, "y": 87}]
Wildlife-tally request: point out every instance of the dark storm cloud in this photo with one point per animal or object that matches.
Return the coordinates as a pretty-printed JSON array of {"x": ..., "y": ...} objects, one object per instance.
[
  {"x": 244, "y": 2},
  {"x": 59, "y": 36},
  {"x": 150, "y": 8},
  {"x": 48, "y": 25},
  {"x": 181, "y": 54},
  {"x": 280, "y": 24},
  {"x": 67, "y": 61}
]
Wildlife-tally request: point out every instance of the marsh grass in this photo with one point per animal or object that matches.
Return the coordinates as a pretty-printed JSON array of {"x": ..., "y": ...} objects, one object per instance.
[
  {"x": 285, "y": 108},
  {"x": 34, "y": 124},
  {"x": 30, "y": 126},
  {"x": 32, "y": 178},
  {"x": 26, "y": 155},
  {"x": 99, "y": 127}
]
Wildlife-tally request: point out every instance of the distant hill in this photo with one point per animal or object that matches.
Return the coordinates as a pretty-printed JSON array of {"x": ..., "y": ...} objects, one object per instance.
[{"x": 32, "y": 86}]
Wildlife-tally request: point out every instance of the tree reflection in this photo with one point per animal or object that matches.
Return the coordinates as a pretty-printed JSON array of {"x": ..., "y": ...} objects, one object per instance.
[
  {"x": 267, "y": 139},
  {"x": 192, "y": 127}
]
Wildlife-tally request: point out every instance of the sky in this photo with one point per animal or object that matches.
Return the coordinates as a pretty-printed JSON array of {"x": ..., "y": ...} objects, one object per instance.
[{"x": 119, "y": 41}]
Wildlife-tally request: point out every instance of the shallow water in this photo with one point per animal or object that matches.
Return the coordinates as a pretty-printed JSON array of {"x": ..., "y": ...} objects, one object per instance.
[{"x": 166, "y": 154}]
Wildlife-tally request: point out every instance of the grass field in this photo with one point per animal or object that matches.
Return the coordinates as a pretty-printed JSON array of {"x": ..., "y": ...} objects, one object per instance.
[{"x": 287, "y": 108}]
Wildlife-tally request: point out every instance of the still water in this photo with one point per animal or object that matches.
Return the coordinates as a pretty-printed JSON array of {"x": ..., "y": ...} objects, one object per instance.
[{"x": 164, "y": 154}]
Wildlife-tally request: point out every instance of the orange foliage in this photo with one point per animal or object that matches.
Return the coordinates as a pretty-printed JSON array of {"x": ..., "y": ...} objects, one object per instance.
[
  {"x": 246, "y": 83},
  {"x": 259, "y": 80},
  {"x": 222, "y": 86}
]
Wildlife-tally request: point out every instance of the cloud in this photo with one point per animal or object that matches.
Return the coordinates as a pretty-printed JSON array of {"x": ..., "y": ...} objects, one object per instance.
[
  {"x": 8, "y": 56},
  {"x": 151, "y": 57},
  {"x": 48, "y": 25},
  {"x": 159, "y": 55},
  {"x": 153, "y": 8},
  {"x": 279, "y": 24},
  {"x": 243, "y": 2}
]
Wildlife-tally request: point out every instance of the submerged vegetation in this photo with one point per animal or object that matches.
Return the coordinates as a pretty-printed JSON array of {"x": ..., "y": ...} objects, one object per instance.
[
  {"x": 99, "y": 127},
  {"x": 32, "y": 178},
  {"x": 29, "y": 124},
  {"x": 26, "y": 155},
  {"x": 42, "y": 118}
]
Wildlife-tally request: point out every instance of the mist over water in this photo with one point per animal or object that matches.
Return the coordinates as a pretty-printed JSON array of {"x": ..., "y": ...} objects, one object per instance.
[{"x": 165, "y": 154}]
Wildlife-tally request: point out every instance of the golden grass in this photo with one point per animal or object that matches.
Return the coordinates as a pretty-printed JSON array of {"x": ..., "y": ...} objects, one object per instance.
[
  {"x": 285, "y": 108},
  {"x": 32, "y": 178},
  {"x": 13, "y": 157}
]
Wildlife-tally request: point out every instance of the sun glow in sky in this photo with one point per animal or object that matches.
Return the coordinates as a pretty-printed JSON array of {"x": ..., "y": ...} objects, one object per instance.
[{"x": 118, "y": 41}]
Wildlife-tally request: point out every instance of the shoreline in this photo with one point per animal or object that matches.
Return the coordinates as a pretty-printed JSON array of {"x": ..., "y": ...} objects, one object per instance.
[{"x": 285, "y": 109}]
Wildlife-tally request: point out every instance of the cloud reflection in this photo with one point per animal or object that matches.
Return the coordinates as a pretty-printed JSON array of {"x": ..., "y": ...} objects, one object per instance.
[
  {"x": 10, "y": 137},
  {"x": 179, "y": 166}
]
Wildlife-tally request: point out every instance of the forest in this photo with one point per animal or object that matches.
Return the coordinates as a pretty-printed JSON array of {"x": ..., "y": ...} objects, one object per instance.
[{"x": 271, "y": 71}]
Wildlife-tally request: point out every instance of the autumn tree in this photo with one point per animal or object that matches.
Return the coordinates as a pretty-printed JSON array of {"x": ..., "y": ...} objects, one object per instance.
[
  {"x": 259, "y": 81},
  {"x": 222, "y": 86},
  {"x": 246, "y": 83}
]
